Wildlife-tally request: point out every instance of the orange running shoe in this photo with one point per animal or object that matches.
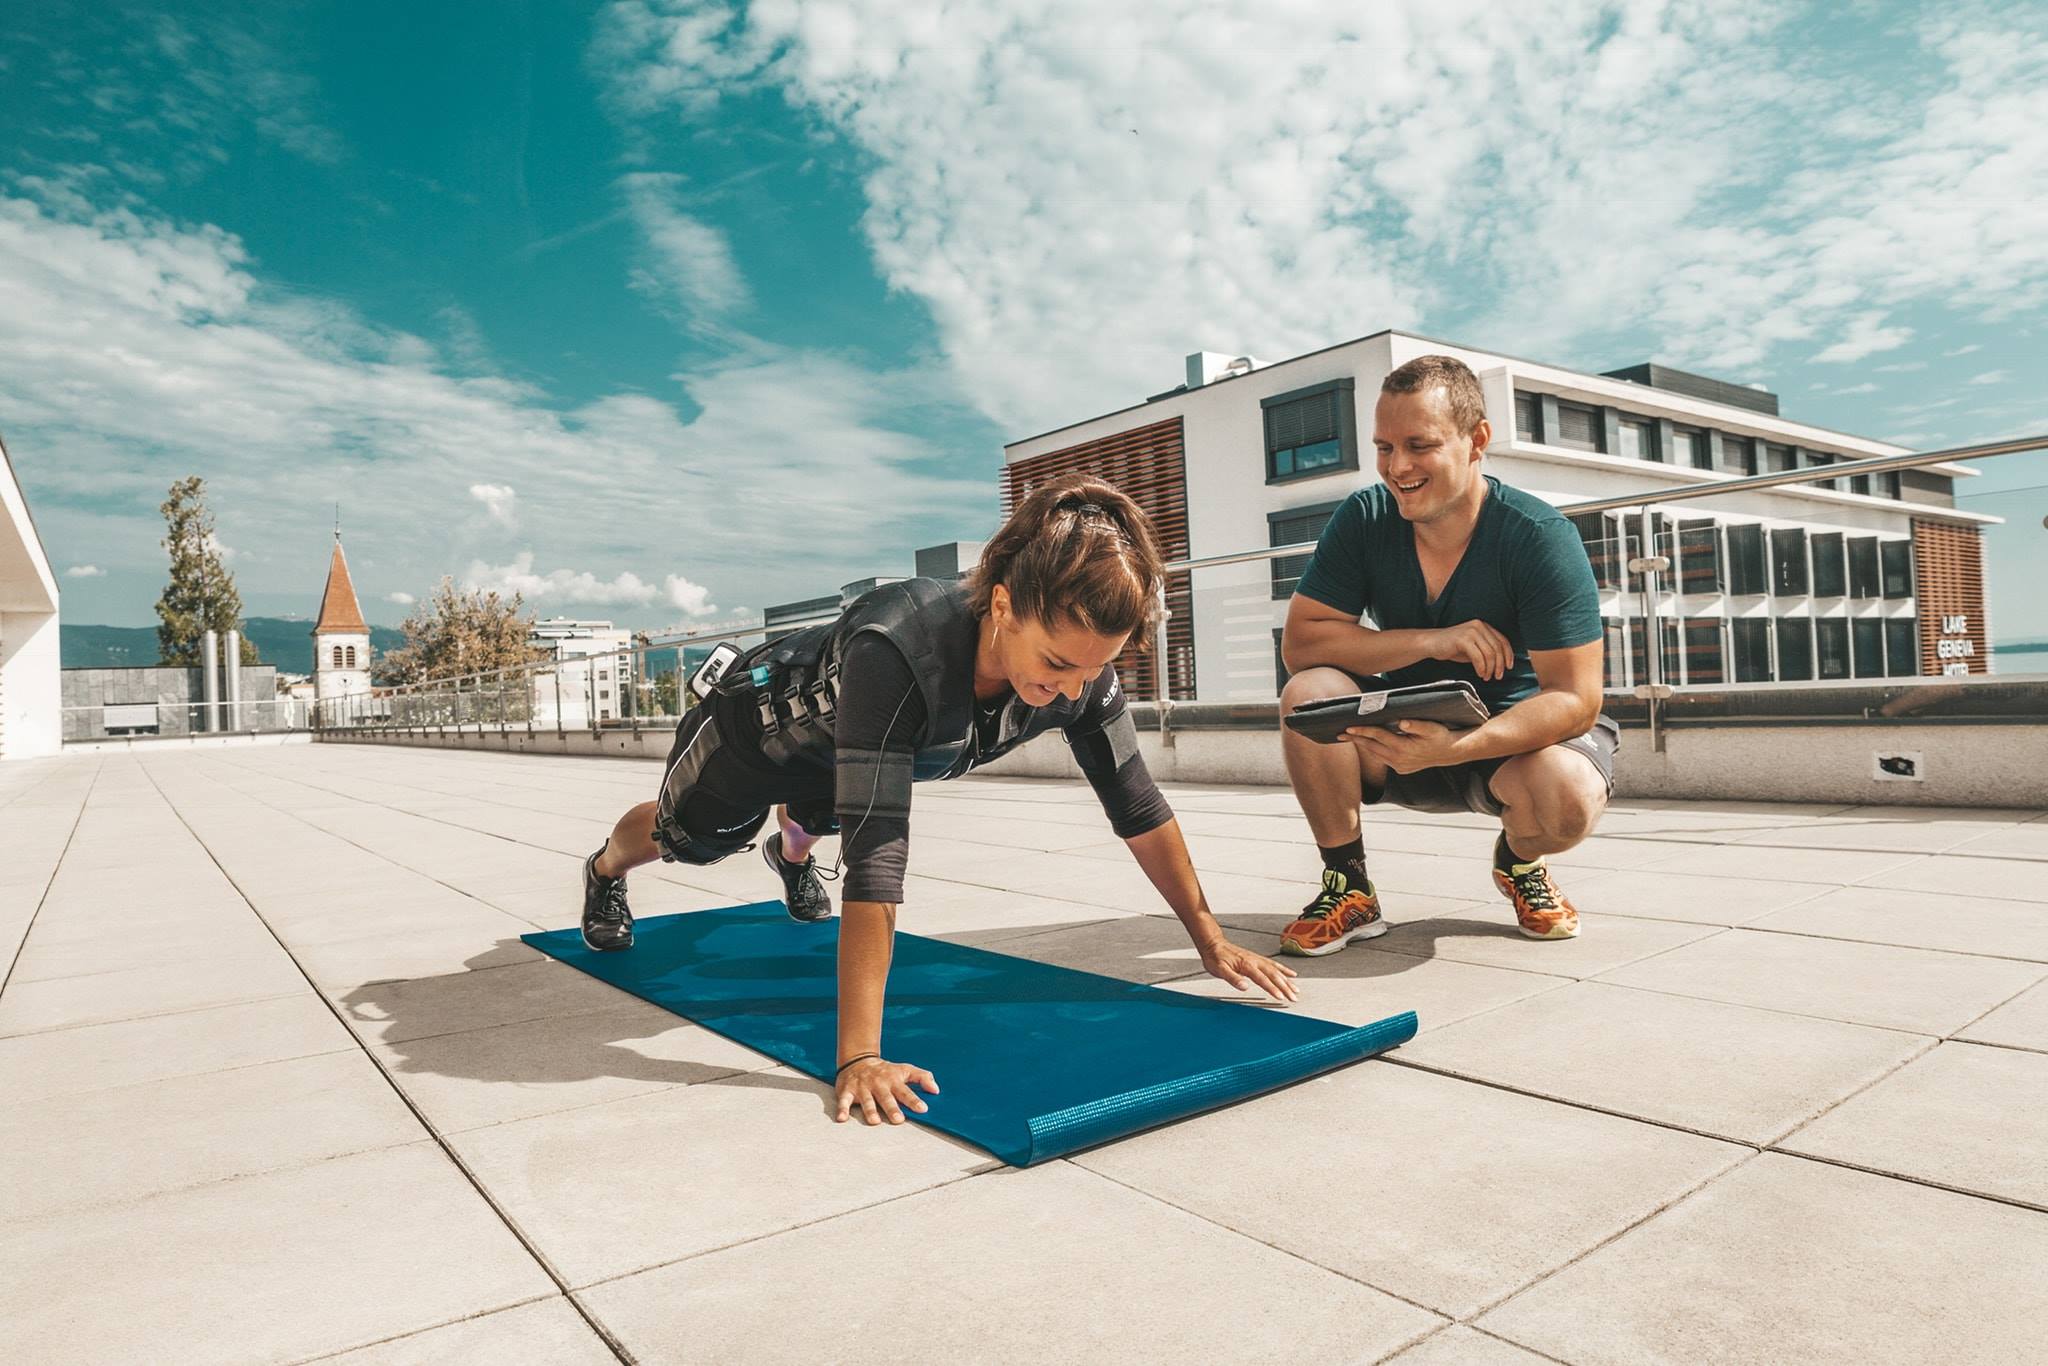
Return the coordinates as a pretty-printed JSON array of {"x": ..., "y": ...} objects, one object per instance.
[
  {"x": 1540, "y": 908},
  {"x": 1340, "y": 914}
]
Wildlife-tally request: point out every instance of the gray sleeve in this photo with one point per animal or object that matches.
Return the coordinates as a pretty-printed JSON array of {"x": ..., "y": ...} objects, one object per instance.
[
  {"x": 1105, "y": 744},
  {"x": 881, "y": 716}
]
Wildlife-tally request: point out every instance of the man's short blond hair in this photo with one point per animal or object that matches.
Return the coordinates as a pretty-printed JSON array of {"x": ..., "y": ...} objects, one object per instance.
[{"x": 1460, "y": 386}]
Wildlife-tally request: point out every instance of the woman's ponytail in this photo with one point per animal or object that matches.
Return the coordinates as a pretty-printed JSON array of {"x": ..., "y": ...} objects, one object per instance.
[{"x": 1076, "y": 550}]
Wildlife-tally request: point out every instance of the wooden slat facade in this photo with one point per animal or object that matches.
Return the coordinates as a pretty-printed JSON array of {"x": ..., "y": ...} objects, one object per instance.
[
  {"x": 1948, "y": 581},
  {"x": 1149, "y": 464}
]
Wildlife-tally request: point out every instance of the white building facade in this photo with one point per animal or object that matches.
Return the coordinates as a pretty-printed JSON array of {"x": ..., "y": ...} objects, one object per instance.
[
  {"x": 1873, "y": 579},
  {"x": 592, "y": 674},
  {"x": 31, "y": 691}
]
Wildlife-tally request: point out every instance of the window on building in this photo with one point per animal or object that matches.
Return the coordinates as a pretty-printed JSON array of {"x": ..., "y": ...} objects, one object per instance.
[
  {"x": 351, "y": 656},
  {"x": 1795, "y": 648},
  {"x": 1667, "y": 633},
  {"x": 604, "y": 674},
  {"x": 1578, "y": 426},
  {"x": 1888, "y": 486},
  {"x": 1699, "y": 557},
  {"x": 337, "y": 656},
  {"x": 1613, "y": 662},
  {"x": 1636, "y": 439},
  {"x": 1528, "y": 416},
  {"x": 1603, "y": 547},
  {"x": 1703, "y": 663},
  {"x": 1830, "y": 572},
  {"x": 1901, "y": 648},
  {"x": 1310, "y": 432},
  {"x": 1821, "y": 460},
  {"x": 1738, "y": 454},
  {"x": 604, "y": 694},
  {"x": 1749, "y": 639},
  {"x": 1831, "y": 646},
  {"x": 1689, "y": 447},
  {"x": 1864, "y": 580},
  {"x": 1746, "y": 571},
  {"x": 1860, "y": 483},
  {"x": 1291, "y": 528},
  {"x": 1778, "y": 459},
  {"x": 1788, "y": 562},
  {"x": 1896, "y": 558},
  {"x": 1866, "y": 634}
]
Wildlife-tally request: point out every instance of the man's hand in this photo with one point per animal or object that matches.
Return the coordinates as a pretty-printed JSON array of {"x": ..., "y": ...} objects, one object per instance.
[
  {"x": 1474, "y": 643},
  {"x": 1242, "y": 968},
  {"x": 880, "y": 1089},
  {"x": 1410, "y": 747}
]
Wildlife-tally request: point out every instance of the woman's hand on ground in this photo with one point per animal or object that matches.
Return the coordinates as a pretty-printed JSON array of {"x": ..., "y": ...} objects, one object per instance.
[
  {"x": 1242, "y": 968},
  {"x": 879, "y": 1090}
]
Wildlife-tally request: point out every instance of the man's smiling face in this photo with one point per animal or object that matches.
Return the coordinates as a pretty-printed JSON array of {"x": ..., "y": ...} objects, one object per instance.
[{"x": 1423, "y": 456}]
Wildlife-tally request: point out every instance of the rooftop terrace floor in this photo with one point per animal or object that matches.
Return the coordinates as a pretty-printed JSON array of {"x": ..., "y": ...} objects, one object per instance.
[{"x": 284, "y": 1083}]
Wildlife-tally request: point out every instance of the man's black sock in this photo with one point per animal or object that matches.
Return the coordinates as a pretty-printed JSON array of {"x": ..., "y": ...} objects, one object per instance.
[
  {"x": 1504, "y": 856},
  {"x": 1348, "y": 859}
]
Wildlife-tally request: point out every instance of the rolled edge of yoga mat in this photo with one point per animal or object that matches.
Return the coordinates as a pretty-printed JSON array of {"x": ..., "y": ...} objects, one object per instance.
[{"x": 1083, "y": 1126}]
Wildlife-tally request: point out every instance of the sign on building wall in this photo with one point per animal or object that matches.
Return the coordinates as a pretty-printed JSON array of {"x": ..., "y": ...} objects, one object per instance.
[{"x": 1948, "y": 569}]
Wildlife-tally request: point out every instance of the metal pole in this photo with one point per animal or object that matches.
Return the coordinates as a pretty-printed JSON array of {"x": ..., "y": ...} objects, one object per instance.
[
  {"x": 557, "y": 672},
  {"x": 209, "y": 662},
  {"x": 231, "y": 668},
  {"x": 1653, "y": 689},
  {"x": 1161, "y": 690}
]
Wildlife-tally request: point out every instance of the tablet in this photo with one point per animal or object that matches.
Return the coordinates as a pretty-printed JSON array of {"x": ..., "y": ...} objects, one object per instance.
[{"x": 1451, "y": 702}]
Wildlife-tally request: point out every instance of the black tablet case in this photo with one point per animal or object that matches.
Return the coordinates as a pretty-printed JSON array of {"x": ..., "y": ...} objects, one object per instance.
[{"x": 1452, "y": 702}]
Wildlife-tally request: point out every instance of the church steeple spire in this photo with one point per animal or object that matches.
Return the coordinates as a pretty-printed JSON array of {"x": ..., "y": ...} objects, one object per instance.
[{"x": 339, "y": 610}]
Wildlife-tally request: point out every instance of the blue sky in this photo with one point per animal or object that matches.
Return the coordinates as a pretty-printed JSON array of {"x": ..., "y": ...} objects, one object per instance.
[{"x": 664, "y": 311}]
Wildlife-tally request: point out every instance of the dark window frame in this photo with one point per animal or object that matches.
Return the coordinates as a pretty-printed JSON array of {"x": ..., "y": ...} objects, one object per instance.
[
  {"x": 1866, "y": 647},
  {"x": 1903, "y": 567},
  {"x": 1594, "y": 439},
  {"x": 1694, "y": 576},
  {"x": 1280, "y": 566},
  {"x": 1901, "y": 647},
  {"x": 1866, "y": 573},
  {"x": 1345, "y": 389},
  {"x": 1529, "y": 416},
  {"x": 1794, "y": 637},
  {"x": 1798, "y": 581},
  {"x": 1748, "y": 577},
  {"x": 1831, "y": 635},
  {"x": 1749, "y": 649},
  {"x": 1830, "y": 578}
]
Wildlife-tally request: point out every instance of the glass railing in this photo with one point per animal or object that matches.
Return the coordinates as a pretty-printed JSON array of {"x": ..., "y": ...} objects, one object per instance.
[{"x": 1732, "y": 595}]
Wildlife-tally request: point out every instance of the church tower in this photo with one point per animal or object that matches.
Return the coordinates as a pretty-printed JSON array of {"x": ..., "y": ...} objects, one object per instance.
[{"x": 341, "y": 638}]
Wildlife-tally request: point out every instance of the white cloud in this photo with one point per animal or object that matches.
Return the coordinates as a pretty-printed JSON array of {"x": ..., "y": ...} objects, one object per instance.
[
  {"x": 692, "y": 599},
  {"x": 1964, "y": 350},
  {"x": 1991, "y": 377},
  {"x": 85, "y": 571},
  {"x": 499, "y": 500},
  {"x": 1080, "y": 193},
  {"x": 691, "y": 260},
  {"x": 625, "y": 589},
  {"x": 402, "y": 599},
  {"x": 1864, "y": 388},
  {"x": 228, "y": 554},
  {"x": 1865, "y": 336},
  {"x": 144, "y": 350}
]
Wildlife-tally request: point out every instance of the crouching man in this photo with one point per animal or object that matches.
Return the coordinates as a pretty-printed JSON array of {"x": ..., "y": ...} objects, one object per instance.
[{"x": 1463, "y": 578}]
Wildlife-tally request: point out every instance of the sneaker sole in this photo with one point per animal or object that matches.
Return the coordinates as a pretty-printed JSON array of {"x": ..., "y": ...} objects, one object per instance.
[
  {"x": 1527, "y": 933},
  {"x": 1372, "y": 930}
]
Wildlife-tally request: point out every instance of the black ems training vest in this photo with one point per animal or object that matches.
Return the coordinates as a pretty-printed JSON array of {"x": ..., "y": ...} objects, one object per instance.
[{"x": 794, "y": 681}]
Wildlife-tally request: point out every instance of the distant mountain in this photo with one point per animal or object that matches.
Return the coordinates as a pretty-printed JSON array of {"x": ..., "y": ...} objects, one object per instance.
[{"x": 286, "y": 642}]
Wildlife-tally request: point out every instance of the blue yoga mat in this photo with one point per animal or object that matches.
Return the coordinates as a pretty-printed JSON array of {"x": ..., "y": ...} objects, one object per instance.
[{"x": 1033, "y": 1061}]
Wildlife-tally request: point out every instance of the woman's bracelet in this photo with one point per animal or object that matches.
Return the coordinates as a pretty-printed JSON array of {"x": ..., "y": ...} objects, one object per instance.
[{"x": 851, "y": 1061}]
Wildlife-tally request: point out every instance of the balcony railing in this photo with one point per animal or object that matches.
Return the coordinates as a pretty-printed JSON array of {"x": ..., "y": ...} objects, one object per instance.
[{"x": 644, "y": 687}]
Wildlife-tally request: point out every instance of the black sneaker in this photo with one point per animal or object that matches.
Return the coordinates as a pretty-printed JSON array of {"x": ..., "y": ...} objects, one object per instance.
[
  {"x": 802, "y": 891},
  {"x": 607, "y": 924}
]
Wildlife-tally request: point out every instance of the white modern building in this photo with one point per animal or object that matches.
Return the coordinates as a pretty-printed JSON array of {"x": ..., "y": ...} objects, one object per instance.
[
  {"x": 593, "y": 670},
  {"x": 1852, "y": 578},
  {"x": 31, "y": 693}
]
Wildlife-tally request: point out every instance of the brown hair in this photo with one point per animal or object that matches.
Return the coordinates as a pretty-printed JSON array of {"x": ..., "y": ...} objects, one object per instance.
[
  {"x": 1460, "y": 385},
  {"x": 1076, "y": 550}
]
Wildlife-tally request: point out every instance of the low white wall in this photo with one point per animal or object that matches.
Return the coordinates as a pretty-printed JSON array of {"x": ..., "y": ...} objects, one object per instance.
[
  {"x": 30, "y": 685},
  {"x": 229, "y": 739},
  {"x": 1989, "y": 765}
]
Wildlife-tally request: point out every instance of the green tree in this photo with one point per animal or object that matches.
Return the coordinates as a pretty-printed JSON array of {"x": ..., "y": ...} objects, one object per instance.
[
  {"x": 201, "y": 595},
  {"x": 455, "y": 633}
]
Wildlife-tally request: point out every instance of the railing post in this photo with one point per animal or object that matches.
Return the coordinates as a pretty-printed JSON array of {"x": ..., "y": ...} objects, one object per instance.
[
  {"x": 1161, "y": 687},
  {"x": 557, "y": 672},
  {"x": 1653, "y": 690},
  {"x": 632, "y": 690}
]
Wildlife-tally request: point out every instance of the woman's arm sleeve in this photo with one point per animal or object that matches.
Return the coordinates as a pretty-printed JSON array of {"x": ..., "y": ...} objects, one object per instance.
[{"x": 881, "y": 716}]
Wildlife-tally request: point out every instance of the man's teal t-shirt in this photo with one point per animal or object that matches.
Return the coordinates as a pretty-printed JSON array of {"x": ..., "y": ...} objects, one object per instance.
[{"x": 1525, "y": 574}]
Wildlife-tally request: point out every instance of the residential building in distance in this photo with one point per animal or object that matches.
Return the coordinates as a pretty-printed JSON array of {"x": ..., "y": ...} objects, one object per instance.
[
  {"x": 30, "y": 695},
  {"x": 1854, "y": 578}
]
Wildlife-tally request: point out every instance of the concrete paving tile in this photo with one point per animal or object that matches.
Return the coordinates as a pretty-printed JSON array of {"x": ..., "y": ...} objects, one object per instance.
[
  {"x": 1928, "y": 920},
  {"x": 2028, "y": 841},
  {"x": 1356, "y": 987},
  {"x": 70, "y": 1152},
  {"x": 1008, "y": 831},
  {"x": 1691, "y": 897},
  {"x": 1835, "y": 867},
  {"x": 1458, "y": 1345},
  {"x": 1487, "y": 935},
  {"x": 990, "y": 1270},
  {"x": 536, "y": 1067},
  {"x": 45, "y": 960},
  {"x": 548, "y": 1331},
  {"x": 1873, "y": 984},
  {"x": 1607, "y": 852},
  {"x": 2020, "y": 1023},
  {"x": 155, "y": 990},
  {"x": 983, "y": 915},
  {"x": 1908, "y": 1124},
  {"x": 1132, "y": 948},
  {"x": 280, "y": 1266},
  {"x": 1788, "y": 1260},
  {"x": 710, "y": 1164},
  {"x": 1454, "y": 1195},
  {"x": 345, "y": 965},
  {"x": 1740, "y": 1073},
  {"x": 2006, "y": 879},
  {"x": 1890, "y": 829},
  {"x": 393, "y": 1012},
  {"x": 63, "y": 1062}
]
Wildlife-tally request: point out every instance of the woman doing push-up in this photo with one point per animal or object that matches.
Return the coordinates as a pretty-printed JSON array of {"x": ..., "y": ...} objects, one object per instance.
[{"x": 921, "y": 680}]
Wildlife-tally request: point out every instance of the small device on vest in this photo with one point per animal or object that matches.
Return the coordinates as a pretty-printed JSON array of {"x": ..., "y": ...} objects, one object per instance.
[{"x": 713, "y": 668}]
